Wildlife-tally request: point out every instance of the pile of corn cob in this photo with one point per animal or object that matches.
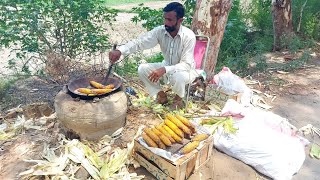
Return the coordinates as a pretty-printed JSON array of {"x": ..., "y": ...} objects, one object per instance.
[
  {"x": 99, "y": 89},
  {"x": 172, "y": 130}
]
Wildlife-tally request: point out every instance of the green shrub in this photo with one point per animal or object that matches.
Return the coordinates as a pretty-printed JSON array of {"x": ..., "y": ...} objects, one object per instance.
[
  {"x": 5, "y": 84},
  {"x": 72, "y": 29},
  {"x": 310, "y": 20}
]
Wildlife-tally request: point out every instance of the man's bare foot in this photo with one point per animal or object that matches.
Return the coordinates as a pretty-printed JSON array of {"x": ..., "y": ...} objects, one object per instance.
[
  {"x": 177, "y": 103},
  {"x": 162, "y": 97}
]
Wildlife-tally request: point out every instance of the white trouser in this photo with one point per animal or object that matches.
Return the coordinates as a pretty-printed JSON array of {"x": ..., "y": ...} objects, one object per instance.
[{"x": 178, "y": 79}]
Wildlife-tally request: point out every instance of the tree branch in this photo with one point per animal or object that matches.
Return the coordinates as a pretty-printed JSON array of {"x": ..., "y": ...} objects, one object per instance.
[{"x": 300, "y": 17}]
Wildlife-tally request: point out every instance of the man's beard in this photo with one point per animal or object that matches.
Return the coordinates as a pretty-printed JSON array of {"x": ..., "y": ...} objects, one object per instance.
[{"x": 171, "y": 28}]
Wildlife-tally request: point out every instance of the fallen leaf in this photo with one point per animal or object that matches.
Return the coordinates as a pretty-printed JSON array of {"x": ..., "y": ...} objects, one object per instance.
[{"x": 315, "y": 151}]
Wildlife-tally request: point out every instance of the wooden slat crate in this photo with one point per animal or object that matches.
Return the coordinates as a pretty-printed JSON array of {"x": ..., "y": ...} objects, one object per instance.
[{"x": 183, "y": 168}]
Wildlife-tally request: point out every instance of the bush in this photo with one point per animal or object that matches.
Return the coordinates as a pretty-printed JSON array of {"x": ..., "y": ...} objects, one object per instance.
[
  {"x": 310, "y": 20},
  {"x": 72, "y": 29}
]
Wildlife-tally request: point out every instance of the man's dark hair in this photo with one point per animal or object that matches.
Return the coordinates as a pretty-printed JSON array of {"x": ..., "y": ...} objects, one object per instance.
[{"x": 176, "y": 7}]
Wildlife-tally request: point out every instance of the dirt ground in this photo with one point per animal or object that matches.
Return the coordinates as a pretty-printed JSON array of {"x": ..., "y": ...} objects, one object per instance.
[{"x": 297, "y": 99}]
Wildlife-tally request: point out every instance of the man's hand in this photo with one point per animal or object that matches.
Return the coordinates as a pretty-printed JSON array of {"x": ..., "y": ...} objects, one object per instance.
[
  {"x": 156, "y": 74},
  {"x": 114, "y": 56}
]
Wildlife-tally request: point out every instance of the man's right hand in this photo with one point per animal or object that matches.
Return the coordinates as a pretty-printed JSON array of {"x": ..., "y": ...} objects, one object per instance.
[{"x": 114, "y": 56}]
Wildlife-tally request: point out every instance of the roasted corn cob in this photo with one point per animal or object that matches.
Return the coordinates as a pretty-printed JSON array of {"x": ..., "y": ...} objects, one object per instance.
[
  {"x": 173, "y": 134},
  {"x": 166, "y": 133},
  {"x": 200, "y": 137},
  {"x": 162, "y": 137},
  {"x": 148, "y": 140},
  {"x": 152, "y": 135},
  {"x": 174, "y": 128},
  {"x": 178, "y": 123},
  {"x": 189, "y": 147}
]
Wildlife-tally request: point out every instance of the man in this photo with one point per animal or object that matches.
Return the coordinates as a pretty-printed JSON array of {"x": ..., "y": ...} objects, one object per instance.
[{"x": 177, "y": 45}]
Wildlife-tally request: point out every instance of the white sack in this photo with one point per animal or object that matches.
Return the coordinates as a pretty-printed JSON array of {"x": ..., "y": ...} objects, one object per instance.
[{"x": 263, "y": 140}]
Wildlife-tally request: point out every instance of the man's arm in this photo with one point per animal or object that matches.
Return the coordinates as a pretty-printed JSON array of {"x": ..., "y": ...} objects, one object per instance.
[{"x": 145, "y": 41}]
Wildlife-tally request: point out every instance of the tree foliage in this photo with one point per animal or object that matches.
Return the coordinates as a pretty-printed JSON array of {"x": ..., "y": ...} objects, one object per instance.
[
  {"x": 71, "y": 29},
  {"x": 152, "y": 18}
]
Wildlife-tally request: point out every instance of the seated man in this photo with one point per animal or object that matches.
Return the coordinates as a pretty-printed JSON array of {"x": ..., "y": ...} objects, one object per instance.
[{"x": 177, "y": 45}]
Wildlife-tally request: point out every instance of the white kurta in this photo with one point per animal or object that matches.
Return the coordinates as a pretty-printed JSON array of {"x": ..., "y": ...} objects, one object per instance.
[{"x": 178, "y": 60}]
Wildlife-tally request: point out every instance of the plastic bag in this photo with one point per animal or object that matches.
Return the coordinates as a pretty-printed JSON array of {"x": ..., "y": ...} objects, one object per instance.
[
  {"x": 228, "y": 83},
  {"x": 264, "y": 140}
]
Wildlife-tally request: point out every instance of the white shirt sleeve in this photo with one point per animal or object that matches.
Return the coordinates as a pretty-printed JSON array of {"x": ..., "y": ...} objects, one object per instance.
[{"x": 145, "y": 41}]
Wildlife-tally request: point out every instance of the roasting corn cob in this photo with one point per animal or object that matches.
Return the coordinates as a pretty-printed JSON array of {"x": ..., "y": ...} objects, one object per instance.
[
  {"x": 109, "y": 86},
  {"x": 97, "y": 85},
  {"x": 85, "y": 91},
  {"x": 101, "y": 91}
]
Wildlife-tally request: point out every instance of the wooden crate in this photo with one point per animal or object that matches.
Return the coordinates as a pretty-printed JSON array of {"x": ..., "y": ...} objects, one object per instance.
[{"x": 183, "y": 168}]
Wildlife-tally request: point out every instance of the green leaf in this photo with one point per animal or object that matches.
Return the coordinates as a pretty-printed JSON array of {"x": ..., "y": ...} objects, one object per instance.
[{"x": 315, "y": 151}]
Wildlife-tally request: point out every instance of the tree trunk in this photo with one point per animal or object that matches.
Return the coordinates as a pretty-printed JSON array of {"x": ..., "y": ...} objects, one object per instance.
[
  {"x": 282, "y": 22},
  {"x": 210, "y": 19}
]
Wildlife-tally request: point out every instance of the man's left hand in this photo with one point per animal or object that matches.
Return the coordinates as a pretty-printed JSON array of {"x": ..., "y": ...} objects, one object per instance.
[{"x": 157, "y": 74}]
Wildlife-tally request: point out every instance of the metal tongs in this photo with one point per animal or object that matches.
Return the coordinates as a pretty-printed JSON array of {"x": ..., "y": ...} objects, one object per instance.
[{"x": 109, "y": 69}]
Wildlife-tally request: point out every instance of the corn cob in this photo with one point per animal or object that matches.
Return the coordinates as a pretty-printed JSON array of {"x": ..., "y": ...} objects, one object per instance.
[
  {"x": 101, "y": 91},
  {"x": 173, "y": 134},
  {"x": 200, "y": 137},
  {"x": 97, "y": 85},
  {"x": 178, "y": 123},
  {"x": 186, "y": 122},
  {"x": 85, "y": 91},
  {"x": 189, "y": 147},
  {"x": 174, "y": 128},
  {"x": 152, "y": 135},
  {"x": 109, "y": 86},
  {"x": 162, "y": 137},
  {"x": 162, "y": 145},
  {"x": 163, "y": 131},
  {"x": 148, "y": 140}
]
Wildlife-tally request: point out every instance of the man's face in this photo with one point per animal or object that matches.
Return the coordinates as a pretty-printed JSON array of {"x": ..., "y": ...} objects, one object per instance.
[{"x": 171, "y": 22}]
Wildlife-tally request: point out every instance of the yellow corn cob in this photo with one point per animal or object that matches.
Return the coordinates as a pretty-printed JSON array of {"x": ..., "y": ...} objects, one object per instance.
[
  {"x": 178, "y": 123},
  {"x": 162, "y": 137},
  {"x": 162, "y": 145},
  {"x": 97, "y": 85},
  {"x": 189, "y": 147},
  {"x": 173, "y": 134},
  {"x": 186, "y": 122},
  {"x": 101, "y": 91},
  {"x": 148, "y": 140},
  {"x": 200, "y": 137},
  {"x": 109, "y": 86},
  {"x": 152, "y": 135},
  {"x": 85, "y": 91},
  {"x": 173, "y": 127},
  {"x": 163, "y": 131}
]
